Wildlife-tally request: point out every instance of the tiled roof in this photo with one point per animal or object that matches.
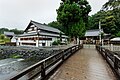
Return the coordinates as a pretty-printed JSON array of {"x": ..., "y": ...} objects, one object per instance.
[
  {"x": 95, "y": 32},
  {"x": 27, "y": 34},
  {"x": 45, "y": 27},
  {"x": 115, "y": 39},
  {"x": 9, "y": 33},
  {"x": 43, "y": 34}
]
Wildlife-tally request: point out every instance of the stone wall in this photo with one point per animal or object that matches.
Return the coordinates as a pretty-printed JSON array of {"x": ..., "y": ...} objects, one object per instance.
[{"x": 27, "y": 52}]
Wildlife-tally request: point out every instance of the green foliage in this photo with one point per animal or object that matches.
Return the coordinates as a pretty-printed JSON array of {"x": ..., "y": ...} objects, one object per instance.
[
  {"x": 108, "y": 22},
  {"x": 78, "y": 29},
  {"x": 16, "y": 31},
  {"x": 4, "y": 39},
  {"x": 66, "y": 15},
  {"x": 118, "y": 34},
  {"x": 70, "y": 14},
  {"x": 15, "y": 56},
  {"x": 111, "y": 4},
  {"x": 114, "y": 7},
  {"x": 2, "y": 36},
  {"x": 2, "y": 30},
  {"x": 109, "y": 17},
  {"x": 56, "y": 42},
  {"x": 57, "y": 25}
]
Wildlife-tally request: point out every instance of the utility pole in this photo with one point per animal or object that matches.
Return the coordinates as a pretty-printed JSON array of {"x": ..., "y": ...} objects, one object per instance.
[
  {"x": 37, "y": 38},
  {"x": 100, "y": 31}
]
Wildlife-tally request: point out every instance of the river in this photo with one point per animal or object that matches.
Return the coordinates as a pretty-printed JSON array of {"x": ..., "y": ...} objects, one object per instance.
[{"x": 9, "y": 67}]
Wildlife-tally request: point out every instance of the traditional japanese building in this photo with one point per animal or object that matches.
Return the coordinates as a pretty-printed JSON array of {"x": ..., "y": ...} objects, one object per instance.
[
  {"x": 9, "y": 34},
  {"x": 92, "y": 36},
  {"x": 37, "y": 34}
]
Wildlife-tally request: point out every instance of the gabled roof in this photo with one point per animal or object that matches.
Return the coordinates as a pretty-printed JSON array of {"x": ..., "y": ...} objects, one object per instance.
[
  {"x": 115, "y": 39},
  {"x": 9, "y": 33},
  {"x": 94, "y": 32},
  {"x": 43, "y": 27}
]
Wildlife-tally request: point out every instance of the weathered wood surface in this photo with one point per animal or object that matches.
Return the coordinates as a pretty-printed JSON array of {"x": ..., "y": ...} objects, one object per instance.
[{"x": 86, "y": 64}]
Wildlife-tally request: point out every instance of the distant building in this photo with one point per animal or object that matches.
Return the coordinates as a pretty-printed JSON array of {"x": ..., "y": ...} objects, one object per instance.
[
  {"x": 115, "y": 40},
  {"x": 93, "y": 33},
  {"x": 9, "y": 34},
  {"x": 93, "y": 36},
  {"x": 37, "y": 34}
]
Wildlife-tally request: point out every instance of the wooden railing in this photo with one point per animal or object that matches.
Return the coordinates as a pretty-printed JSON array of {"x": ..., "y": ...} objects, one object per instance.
[
  {"x": 43, "y": 68},
  {"x": 112, "y": 58}
]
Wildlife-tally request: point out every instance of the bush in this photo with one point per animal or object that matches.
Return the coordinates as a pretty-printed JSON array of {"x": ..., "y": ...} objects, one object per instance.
[
  {"x": 4, "y": 39},
  {"x": 56, "y": 42}
]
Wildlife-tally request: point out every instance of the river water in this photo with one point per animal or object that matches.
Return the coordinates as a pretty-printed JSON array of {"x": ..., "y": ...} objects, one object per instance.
[{"x": 9, "y": 67}]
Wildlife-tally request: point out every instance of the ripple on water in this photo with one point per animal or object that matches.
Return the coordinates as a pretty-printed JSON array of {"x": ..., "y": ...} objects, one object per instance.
[{"x": 9, "y": 67}]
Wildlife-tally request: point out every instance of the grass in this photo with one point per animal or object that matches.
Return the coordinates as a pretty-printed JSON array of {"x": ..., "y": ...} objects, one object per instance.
[
  {"x": 2, "y": 42},
  {"x": 15, "y": 56},
  {"x": 3, "y": 39}
]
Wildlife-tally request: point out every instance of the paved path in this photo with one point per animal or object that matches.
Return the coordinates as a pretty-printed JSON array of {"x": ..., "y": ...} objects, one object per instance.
[{"x": 86, "y": 64}]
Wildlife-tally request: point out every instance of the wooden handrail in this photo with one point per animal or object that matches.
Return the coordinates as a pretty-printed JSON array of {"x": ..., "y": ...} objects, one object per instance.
[
  {"x": 112, "y": 59},
  {"x": 47, "y": 63}
]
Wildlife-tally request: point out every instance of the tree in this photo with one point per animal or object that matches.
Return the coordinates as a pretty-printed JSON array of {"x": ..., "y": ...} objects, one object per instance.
[
  {"x": 78, "y": 30},
  {"x": 3, "y": 29},
  {"x": 112, "y": 4},
  {"x": 109, "y": 25},
  {"x": 2, "y": 36},
  {"x": 57, "y": 25},
  {"x": 108, "y": 22},
  {"x": 70, "y": 14},
  {"x": 109, "y": 17},
  {"x": 16, "y": 31},
  {"x": 118, "y": 34},
  {"x": 4, "y": 39}
]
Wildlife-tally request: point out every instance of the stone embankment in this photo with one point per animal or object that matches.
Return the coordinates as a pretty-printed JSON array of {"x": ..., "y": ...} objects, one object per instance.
[{"x": 27, "y": 52}]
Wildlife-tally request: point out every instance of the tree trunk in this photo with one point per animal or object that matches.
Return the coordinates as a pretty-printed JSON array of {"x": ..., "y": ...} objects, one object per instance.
[
  {"x": 79, "y": 40},
  {"x": 76, "y": 39}
]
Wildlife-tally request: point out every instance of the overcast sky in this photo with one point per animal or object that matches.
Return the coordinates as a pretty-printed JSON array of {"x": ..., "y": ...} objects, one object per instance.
[{"x": 18, "y": 13}]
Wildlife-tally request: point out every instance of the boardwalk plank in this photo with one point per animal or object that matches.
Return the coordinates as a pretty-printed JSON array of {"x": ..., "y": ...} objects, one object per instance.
[{"x": 86, "y": 64}]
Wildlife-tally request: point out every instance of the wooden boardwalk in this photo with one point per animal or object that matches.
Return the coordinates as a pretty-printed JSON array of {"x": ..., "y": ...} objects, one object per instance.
[{"x": 86, "y": 64}]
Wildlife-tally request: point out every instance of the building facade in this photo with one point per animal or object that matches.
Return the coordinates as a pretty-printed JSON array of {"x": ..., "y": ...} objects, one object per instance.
[
  {"x": 93, "y": 36},
  {"x": 37, "y": 34}
]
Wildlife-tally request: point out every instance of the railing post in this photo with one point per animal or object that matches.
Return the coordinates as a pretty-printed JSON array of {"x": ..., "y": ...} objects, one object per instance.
[
  {"x": 78, "y": 46},
  {"x": 100, "y": 49},
  {"x": 63, "y": 55},
  {"x": 106, "y": 54},
  {"x": 75, "y": 48},
  {"x": 42, "y": 70},
  {"x": 116, "y": 62},
  {"x": 71, "y": 50}
]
